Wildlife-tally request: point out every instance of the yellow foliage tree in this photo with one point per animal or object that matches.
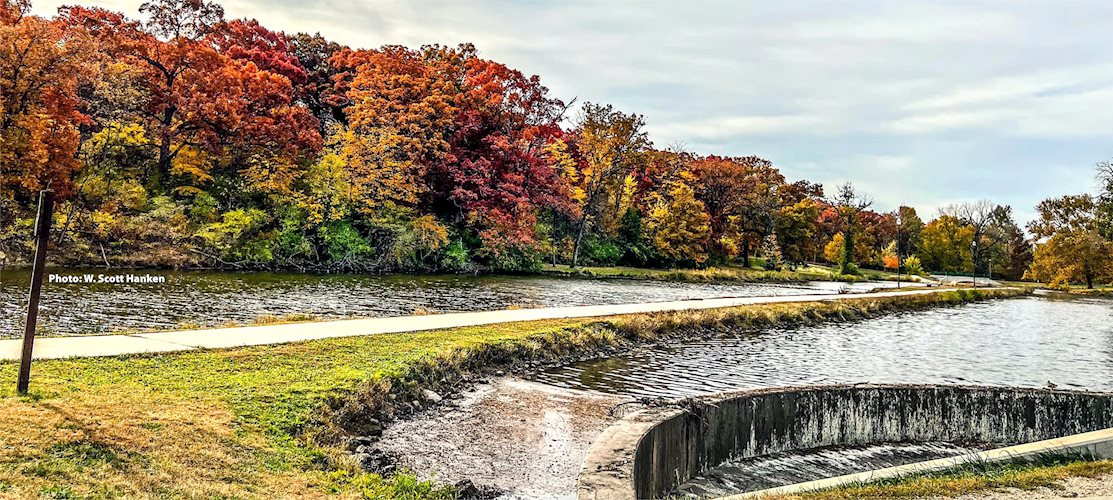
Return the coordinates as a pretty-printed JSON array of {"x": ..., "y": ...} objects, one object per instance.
[
  {"x": 1077, "y": 256},
  {"x": 835, "y": 248},
  {"x": 679, "y": 225},
  {"x": 947, "y": 245},
  {"x": 381, "y": 172}
]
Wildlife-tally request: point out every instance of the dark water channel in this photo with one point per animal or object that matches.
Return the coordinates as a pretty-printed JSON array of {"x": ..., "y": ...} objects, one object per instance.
[{"x": 215, "y": 298}]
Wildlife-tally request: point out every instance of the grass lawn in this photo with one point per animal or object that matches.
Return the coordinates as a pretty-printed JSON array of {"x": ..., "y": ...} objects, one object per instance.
[
  {"x": 970, "y": 479},
  {"x": 271, "y": 421},
  {"x": 754, "y": 273}
]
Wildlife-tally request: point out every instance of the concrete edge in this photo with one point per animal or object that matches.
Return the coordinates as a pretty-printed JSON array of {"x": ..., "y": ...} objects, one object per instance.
[
  {"x": 1096, "y": 444},
  {"x": 607, "y": 469}
]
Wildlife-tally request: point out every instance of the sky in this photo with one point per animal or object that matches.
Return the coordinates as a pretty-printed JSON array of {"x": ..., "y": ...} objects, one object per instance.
[{"x": 922, "y": 104}]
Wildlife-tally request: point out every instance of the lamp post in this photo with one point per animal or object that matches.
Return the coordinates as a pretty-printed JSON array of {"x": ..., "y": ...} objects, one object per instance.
[
  {"x": 974, "y": 262},
  {"x": 898, "y": 248}
]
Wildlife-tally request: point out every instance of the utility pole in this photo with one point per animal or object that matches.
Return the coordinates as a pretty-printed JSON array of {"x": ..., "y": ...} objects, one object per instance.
[{"x": 42, "y": 239}]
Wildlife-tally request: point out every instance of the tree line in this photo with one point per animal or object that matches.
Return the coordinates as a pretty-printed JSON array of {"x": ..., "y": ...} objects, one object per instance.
[{"x": 181, "y": 138}]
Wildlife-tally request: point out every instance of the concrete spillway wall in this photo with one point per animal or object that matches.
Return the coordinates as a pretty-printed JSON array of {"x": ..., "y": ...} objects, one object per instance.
[{"x": 650, "y": 453}]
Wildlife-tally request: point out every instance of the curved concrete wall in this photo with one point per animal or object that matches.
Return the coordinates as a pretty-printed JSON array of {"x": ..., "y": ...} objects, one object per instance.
[{"x": 651, "y": 452}]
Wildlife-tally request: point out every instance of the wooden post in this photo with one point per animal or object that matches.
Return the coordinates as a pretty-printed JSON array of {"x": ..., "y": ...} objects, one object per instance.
[{"x": 42, "y": 238}]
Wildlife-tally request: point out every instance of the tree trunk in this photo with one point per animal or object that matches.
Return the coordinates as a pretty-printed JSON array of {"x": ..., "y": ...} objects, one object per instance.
[
  {"x": 164, "y": 155},
  {"x": 579, "y": 238},
  {"x": 745, "y": 252}
]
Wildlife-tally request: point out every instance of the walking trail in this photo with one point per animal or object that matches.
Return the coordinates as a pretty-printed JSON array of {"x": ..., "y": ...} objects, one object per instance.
[{"x": 174, "y": 341}]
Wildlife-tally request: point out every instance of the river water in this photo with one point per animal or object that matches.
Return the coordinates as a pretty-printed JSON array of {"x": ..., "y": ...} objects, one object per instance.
[
  {"x": 1017, "y": 342},
  {"x": 1027, "y": 341},
  {"x": 216, "y": 298}
]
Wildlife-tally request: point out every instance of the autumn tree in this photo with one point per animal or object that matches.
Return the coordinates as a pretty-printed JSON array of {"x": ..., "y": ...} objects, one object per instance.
[
  {"x": 796, "y": 227},
  {"x": 611, "y": 144},
  {"x": 911, "y": 231},
  {"x": 947, "y": 245},
  {"x": 849, "y": 204},
  {"x": 1072, "y": 249},
  {"x": 990, "y": 223},
  {"x": 42, "y": 62},
  {"x": 1105, "y": 199},
  {"x": 834, "y": 250},
  {"x": 403, "y": 106},
  {"x": 1017, "y": 254},
  {"x": 318, "y": 91},
  {"x": 741, "y": 194},
  {"x": 497, "y": 174},
  {"x": 679, "y": 226}
]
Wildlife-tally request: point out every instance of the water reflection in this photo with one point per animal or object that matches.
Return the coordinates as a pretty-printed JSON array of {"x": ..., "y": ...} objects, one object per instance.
[
  {"x": 1020, "y": 342},
  {"x": 213, "y": 298}
]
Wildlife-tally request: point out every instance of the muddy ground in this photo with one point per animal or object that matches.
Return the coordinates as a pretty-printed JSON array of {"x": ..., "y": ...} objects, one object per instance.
[{"x": 524, "y": 439}]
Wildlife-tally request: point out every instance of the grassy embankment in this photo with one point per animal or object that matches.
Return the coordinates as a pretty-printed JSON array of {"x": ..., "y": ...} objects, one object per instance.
[
  {"x": 272, "y": 421},
  {"x": 731, "y": 273},
  {"x": 969, "y": 479}
]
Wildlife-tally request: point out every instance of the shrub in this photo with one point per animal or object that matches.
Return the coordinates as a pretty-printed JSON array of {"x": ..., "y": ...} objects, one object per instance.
[{"x": 912, "y": 265}]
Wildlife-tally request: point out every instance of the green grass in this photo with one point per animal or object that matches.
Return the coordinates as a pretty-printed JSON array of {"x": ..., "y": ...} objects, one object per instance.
[
  {"x": 969, "y": 479},
  {"x": 271, "y": 421},
  {"x": 728, "y": 273}
]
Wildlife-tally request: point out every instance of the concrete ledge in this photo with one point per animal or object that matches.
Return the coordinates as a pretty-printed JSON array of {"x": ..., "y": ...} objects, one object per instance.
[
  {"x": 1090, "y": 445},
  {"x": 650, "y": 453}
]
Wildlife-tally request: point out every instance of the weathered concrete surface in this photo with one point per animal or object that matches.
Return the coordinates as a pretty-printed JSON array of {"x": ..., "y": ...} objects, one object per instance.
[
  {"x": 525, "y": 439},
  {"x": 650, "y": 453},
  {"x": 115, "y": 345}
]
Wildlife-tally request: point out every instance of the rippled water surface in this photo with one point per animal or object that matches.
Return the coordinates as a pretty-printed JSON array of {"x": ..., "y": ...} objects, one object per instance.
[
  {"x": 779, "y": 469},
  {"x": 213, "y": 298},
  {"x": 1022, "y": 342}
]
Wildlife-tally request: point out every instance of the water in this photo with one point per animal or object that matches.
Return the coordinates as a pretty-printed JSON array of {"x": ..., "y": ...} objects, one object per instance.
[
  {"x": 1019, "y": 342},
  {"x": 215, "y": 298},
  {"x": 781, "y": 469},
  {"x": 1023, "y": 342}
]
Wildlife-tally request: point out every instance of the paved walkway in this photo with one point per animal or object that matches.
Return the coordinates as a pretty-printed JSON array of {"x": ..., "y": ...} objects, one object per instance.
[{"x": 173, "y": 341}]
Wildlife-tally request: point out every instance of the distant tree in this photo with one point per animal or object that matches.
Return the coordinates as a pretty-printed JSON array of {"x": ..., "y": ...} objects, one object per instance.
[
  {"x": 834, "y": 249},
  {"x": 318, "y": 92},
  {"x": 889, "y": 257},
  {"x": 1073, "y": 257},
  {"x": 796, "y": 227},
  {"x": 849, "y": 204},
  {"x": 611, "y": 144},
  {"x": 947, "y": 245},
  {"x": 911, "y": 231},
  {"x": 1073, "y": 249},
  {"x": 679, "y": 226},
  {"x": 742, "y": 196},
  {"x": 1017, "y": 254},
  {"x": 990, "y": 223},
  {"x": 1105, "y": 199}
]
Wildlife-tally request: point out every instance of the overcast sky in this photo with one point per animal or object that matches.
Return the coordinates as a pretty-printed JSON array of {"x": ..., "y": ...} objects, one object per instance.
[{"x": 919, "y": 104}]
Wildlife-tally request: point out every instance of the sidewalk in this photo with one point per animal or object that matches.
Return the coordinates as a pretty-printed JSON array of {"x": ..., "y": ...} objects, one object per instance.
[{"x": 173, "y": 341}]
